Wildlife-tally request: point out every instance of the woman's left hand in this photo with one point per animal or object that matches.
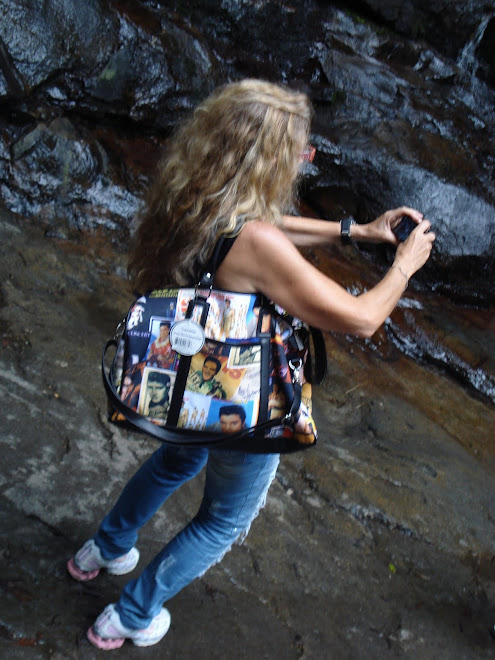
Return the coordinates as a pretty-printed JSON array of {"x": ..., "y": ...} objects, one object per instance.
[{"x": 380, "y": 230}]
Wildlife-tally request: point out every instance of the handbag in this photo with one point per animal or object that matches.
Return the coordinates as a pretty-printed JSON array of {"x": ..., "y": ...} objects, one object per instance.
[{"x": 204, "y": 367}]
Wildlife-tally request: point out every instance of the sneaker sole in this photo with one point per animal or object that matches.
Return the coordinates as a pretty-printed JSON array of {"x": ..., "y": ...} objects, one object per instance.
[
  {"x": 84, "y": 576},
  {"x": 136, "y": 637},
  {"x": 77, "y": 574},
  {"x": 104, "y": 644}
]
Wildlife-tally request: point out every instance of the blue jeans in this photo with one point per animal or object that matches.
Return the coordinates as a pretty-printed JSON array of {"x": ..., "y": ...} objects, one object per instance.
[{"x": 235, "y": 489}]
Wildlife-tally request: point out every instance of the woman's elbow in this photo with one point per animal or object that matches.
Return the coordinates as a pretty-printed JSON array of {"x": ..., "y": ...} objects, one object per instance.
[
  {"x": 366, "y": 333},
  {"x": 367, "y": 326},
  {"x": 358, "y": 328},
  {"x": 360, "y": 321}
]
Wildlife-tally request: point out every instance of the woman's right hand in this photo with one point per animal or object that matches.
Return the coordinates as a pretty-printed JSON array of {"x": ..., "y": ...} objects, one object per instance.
[{"x": 415, "y": 251}]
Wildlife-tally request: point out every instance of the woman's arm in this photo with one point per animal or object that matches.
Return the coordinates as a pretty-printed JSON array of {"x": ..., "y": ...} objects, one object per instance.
[
  {"x": 306, "y": 232},
  {"x": 264, "y": 259}
]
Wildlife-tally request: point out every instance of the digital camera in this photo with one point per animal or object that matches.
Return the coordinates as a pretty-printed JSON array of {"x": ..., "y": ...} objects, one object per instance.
[{"x": 404, "y": 228}]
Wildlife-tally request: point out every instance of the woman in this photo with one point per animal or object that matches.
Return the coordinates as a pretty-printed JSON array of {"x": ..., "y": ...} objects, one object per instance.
[{"x": 230, "y": 169}]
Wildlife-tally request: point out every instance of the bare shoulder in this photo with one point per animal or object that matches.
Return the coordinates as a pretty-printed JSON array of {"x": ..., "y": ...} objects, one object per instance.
[
  {"x": 263, "y": 237},
  {"x": 263, "y": 244},
  {"x": 254, "y": 252},
  {"x": 258, "y": 230}
]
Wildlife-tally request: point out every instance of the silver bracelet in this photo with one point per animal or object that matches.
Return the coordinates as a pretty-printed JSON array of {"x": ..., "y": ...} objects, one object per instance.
[{"x": 402, "y": 273}]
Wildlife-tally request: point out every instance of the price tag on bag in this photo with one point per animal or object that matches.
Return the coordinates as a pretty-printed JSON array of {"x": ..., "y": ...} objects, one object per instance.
[{"x": 187, "y": 337}]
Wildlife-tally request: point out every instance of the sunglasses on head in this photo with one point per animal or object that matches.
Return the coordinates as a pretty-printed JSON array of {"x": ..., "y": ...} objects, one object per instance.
[{"x": 308, "y": 154}]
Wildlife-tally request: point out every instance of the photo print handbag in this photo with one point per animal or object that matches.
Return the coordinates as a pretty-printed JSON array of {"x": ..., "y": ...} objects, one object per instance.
[{"x": 205, "y": 367}]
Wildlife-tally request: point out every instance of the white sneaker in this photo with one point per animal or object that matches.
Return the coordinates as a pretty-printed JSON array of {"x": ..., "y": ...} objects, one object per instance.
[
  {"x": 108, "y": 633},
  {"x": 88, "y": 561}
]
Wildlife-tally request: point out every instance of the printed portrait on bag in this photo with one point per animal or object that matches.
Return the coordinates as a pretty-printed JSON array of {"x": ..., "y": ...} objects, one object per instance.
[
  {"x": 203, "y": 376},
  {"x": 154, "y": 397},
  {"x": 225, "y": 374},
  {"x": 194, "y": 412},
  {"x": 131, "y": 385},
  {"x": 277, "y": 401},
  {"x": 231, "y": 417},
  {"x": 160, "y": 352}
]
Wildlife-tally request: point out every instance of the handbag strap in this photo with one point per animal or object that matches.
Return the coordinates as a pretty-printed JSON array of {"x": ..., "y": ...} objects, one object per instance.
[
  {"x": 318, "y": 361},
  {"x": 194, "y": 438}
]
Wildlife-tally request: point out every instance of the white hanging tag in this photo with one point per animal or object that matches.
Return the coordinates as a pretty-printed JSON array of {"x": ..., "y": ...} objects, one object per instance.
[{"x": 187, "y": 337}]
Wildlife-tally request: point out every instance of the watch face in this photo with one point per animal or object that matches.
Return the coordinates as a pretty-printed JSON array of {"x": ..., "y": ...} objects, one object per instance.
[{"x": 345, "y": 230}]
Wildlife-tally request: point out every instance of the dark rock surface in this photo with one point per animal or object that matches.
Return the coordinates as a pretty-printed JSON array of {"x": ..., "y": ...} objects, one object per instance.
[
  {"x": 448, "y": 25},
  {"x": 377, "y": 543},
  {"x": 403, "y": 96}
]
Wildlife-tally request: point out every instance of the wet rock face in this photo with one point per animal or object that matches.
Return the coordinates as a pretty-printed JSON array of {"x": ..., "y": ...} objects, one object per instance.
[
  {"x": 403, "y": 97},
  {"x": 448, "y": 25},
  {"x": 97, "y": 58},
  {"x": 63, "y": 176},
  {"x": 486, "y": 52}
]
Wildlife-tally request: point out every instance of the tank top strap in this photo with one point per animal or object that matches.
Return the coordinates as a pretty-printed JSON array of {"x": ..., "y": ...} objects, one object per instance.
[
  {"x": 220, "y": 251},
  {"x": 224, "y": 243}
]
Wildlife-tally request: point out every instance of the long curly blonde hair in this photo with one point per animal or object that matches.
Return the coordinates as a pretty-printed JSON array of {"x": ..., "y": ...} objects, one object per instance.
[{"x": 235, "y": 159}]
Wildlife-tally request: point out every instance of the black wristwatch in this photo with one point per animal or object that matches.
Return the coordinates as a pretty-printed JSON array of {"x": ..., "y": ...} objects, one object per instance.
[{"x": 345, "y": 230}]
